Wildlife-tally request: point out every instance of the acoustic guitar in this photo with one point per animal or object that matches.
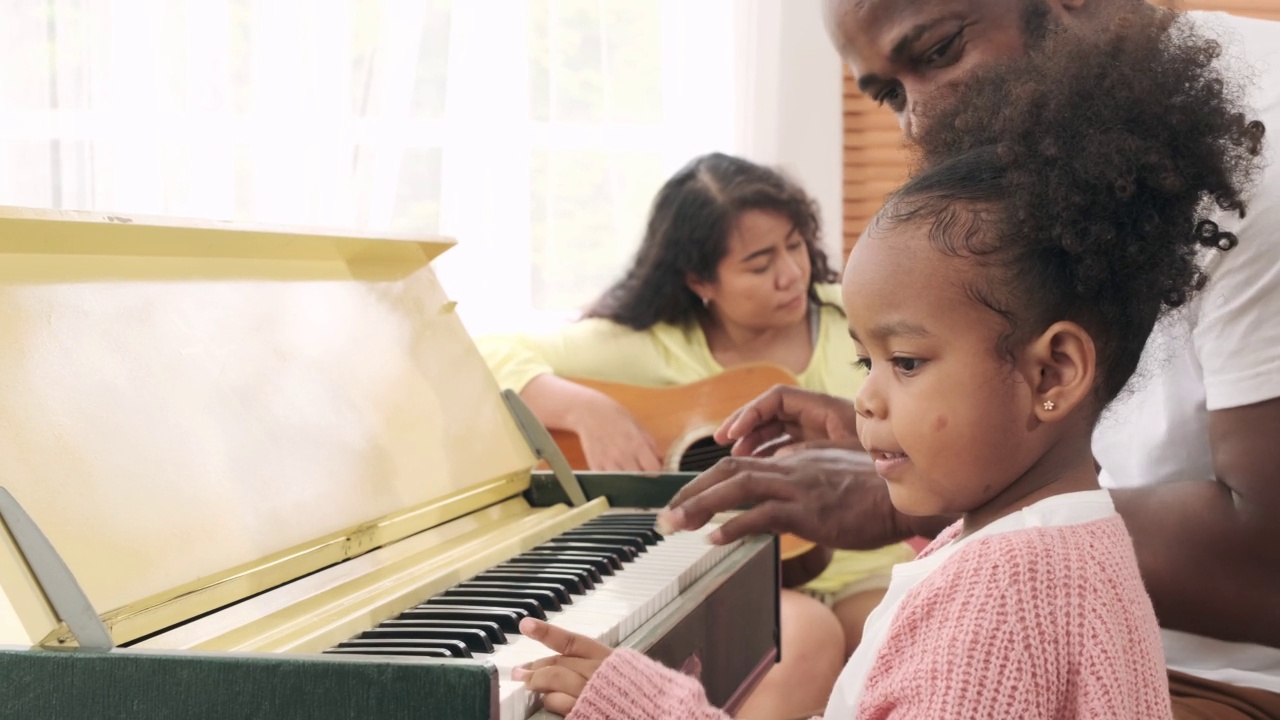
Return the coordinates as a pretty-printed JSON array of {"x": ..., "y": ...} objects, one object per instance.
[{"x": 682, "y": 418}]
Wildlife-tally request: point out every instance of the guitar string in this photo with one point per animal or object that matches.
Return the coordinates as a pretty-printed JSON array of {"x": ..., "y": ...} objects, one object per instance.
[{"x": 705, "y": 454}]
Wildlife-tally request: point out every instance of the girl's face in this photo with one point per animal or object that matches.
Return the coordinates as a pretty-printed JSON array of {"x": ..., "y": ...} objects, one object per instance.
[
  {"x": 947, "y": 418},
  {"x": 763, "y": 280}
]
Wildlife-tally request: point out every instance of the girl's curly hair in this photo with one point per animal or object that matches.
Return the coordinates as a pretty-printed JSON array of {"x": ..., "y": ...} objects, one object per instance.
[
  {"x": 692, "y": 217},
  {"x": 1084, "y": 177}
]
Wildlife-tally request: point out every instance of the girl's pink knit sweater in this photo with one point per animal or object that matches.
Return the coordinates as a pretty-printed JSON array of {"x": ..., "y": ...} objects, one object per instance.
[{"x": 1046, "y": 622}]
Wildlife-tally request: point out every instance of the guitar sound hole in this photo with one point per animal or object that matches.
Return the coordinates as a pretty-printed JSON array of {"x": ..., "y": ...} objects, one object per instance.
[{"x": 702, "y": 454}]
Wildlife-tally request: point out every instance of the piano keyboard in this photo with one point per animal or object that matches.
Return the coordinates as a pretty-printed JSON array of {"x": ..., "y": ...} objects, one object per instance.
[
  {"x": 600, "y": 574},
  {"x": 603, "y": 579}
]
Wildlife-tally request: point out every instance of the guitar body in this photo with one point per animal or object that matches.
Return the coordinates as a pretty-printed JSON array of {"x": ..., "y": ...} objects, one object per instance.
[
  {"x": 682, "y": 418},
  {"x": 678, "y": 417}
]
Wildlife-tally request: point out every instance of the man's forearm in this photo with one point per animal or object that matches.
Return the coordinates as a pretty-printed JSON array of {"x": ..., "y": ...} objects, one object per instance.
[{"x": 1210, "y": 561}]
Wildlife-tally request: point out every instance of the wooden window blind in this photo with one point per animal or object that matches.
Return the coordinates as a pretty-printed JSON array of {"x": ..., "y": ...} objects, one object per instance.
[{"x": 876, "y": 161}]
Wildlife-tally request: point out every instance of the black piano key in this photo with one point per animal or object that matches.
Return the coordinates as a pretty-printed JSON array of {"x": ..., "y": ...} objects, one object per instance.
[
  {"x": 455, "y": 648},
  {"x": 475, "y": 640},
  {"x": 637, "y": 527},
  {"x": 605, "y": 564},
  {"x": 490, "y": 629},
  {"x": 560, "y": 595},
  {"x": 507, "y": 619},
  {"x": 571, "y": 584},
  {"x": 545, "y": 598},
  {"x": 647, "y": 519},
  {"x": 586, "y": 573},
  {"x": 652, "y": 534},
  {"x": 630, "y": 524},
  {"x": 635, "y": 543},
  {"x": 376, "y": 650},
  {"x": 646, "y": 536},
  {"x": 530, "y": 607},
  {"x": 622, "y": 553}
]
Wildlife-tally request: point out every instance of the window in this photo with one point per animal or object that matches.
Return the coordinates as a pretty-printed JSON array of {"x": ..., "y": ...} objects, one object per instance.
[{"x": 534, "y": 131}]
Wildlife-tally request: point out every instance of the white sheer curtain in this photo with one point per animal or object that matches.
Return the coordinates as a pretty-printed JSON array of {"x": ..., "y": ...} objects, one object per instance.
[{"x": 533, "y": 131}]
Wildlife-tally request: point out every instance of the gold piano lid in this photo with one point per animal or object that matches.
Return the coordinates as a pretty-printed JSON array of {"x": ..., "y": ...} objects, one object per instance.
[{"x": 187, "y": 402}]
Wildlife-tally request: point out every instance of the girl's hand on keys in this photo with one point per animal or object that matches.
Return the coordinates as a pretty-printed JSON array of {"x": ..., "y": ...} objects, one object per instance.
[{"x": 560, "y": 678}]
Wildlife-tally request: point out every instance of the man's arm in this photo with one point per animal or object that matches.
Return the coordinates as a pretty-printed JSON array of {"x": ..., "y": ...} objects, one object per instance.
[
  {"x": 830, "y": 496},
  {"x": 1210, "y": 550}
]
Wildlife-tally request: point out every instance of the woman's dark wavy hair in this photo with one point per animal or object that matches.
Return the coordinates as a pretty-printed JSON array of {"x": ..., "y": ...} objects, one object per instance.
[
  {"x": 1082, "y": 179},
  {"x": 690, "y": 223}
]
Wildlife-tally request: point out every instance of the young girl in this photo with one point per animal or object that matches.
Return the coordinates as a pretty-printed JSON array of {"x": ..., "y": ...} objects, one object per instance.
[{"x": 1000, "y": 301}]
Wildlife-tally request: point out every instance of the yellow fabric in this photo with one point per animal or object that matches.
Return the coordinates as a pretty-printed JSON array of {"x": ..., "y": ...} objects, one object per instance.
[
  {"x": 663, "y": 355},
  {"x": 668, "y": 354},
  {"x": 852, "y": 572}
]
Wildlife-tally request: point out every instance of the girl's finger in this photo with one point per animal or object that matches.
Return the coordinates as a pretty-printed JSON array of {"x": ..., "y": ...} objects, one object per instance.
[
  {"x": 559, "y": 703},
  {"x": 562, "y": 641},
  {"x": 556, "y": 679},
  {"x": 583, "y": 666}
]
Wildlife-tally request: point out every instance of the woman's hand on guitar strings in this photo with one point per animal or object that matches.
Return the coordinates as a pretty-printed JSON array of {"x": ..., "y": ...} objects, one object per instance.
[{"x": 612, "y": 440}]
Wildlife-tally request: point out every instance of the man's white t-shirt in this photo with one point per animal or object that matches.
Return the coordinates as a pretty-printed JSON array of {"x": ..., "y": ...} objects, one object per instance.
[{"x": 1222, "y": 351}]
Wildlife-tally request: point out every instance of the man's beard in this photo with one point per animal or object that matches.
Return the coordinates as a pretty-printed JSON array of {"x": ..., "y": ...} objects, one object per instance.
[{"x": 1037, "y": 22}]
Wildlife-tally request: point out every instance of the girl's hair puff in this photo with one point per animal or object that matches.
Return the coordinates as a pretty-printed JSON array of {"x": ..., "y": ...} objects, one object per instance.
[{"x": 1083, "y": 178}]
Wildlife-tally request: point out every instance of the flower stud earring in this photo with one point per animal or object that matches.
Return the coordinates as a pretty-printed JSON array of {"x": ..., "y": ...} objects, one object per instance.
[{"x": 1048, "y": 405}]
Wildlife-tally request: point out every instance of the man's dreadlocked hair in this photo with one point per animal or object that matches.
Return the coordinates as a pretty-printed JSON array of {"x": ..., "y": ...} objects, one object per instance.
[{"x": 1083, "y": 178}]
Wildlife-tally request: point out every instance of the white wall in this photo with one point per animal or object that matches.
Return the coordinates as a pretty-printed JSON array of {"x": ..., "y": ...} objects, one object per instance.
[{"x": 790, "y": 115}]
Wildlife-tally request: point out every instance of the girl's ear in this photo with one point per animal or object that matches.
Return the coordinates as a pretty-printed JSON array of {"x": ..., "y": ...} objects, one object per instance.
[{"x": 1063, "y": 364}]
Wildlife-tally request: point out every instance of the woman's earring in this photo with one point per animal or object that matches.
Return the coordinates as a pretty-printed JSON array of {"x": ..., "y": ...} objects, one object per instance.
[
  {"x": 706, "y": 301},
  {"x": 1048, "y": 405}
]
